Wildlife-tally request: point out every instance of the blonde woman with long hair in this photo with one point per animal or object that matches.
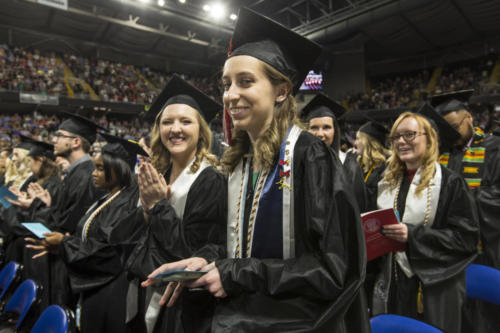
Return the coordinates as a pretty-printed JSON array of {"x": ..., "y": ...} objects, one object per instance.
[
  {"x": 372, "y": 157},
  {"x": 183, "y": 199},
  {"x": 295, "y": 258},
  {"x": 438, "y": 224},
  {"x": 17, "y": 172}
]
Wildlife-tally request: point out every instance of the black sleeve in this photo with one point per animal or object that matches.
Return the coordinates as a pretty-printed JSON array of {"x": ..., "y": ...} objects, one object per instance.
[
  {"x": 201, "y": 231},
  {"x": 445, "y": 249}
]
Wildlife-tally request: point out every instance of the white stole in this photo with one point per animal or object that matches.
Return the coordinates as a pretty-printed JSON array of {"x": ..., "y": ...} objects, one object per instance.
[
  {"x": 237, "y": 184},
  {"x": 179, "y": 192},
  {"x": 415, "y": 206}
]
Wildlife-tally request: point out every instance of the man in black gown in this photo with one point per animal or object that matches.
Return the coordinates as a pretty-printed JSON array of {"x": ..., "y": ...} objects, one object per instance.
[
  {"x": 72, "y": 141},
  {"x": 476, "y": 156}
]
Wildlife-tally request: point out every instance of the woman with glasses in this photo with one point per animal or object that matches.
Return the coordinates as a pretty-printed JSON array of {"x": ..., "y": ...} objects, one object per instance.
[{"x": 438, "y": 224}]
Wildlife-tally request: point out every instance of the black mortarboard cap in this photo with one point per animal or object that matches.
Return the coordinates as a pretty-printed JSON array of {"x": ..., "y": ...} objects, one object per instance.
[
  {"x": 40, "y": 148},
  {"x": 375, "y": 130},
  {"x": 283, "y": 49},
  {"x": 80, "y": 125},
  {"x": 447, "y": 134},
  {"x": 127, "y": 150},
  {"x": 322, "y": 106},
  {"x": 178, "y": 91},
  {"x": 452, "y": 101},
  {"x": 25, "y": 143}
]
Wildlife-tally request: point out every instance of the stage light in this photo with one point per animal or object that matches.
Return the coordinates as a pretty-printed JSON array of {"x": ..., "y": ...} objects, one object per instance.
[
  {"x": 233, "y": 17},
  {"x": 206, "y": 8},
  {"x": 218, "y": 11},
  {"x": 161, "y": 3}
]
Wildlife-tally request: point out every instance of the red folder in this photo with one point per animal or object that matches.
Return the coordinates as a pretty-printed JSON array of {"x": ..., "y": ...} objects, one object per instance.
[{"x": 376, "y": 243}]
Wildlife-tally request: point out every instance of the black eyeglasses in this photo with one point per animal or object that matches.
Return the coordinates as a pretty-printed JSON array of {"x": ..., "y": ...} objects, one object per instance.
[
  {"x": 407, "y": 136},
  {"x": 457, "y": 126},
  {"x": 60, "y": 135}
]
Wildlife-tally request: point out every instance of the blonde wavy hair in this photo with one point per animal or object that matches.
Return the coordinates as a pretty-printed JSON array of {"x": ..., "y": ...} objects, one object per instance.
[
  {"x": 18, "y": 175},
  {"x": 161, "y": 156},
  {"x": 374, "y": 154},
  {"x": 268, "y": 144},
  {"x": 396, "y": 167}
]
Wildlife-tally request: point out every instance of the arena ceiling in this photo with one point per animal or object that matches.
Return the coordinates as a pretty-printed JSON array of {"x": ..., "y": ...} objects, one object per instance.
[{"x": 183, "y": 34}]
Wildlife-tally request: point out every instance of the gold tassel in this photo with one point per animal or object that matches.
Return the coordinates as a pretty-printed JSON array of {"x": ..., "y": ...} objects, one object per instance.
[{"x": 420, "y": 299}]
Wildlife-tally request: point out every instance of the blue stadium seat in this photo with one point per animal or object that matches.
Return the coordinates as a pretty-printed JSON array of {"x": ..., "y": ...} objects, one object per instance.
[
  {"x": 7, "y": 275},
  {"x": 19, "y": 304},
  {"x": 388, "y": 323},
  {"x": 483, "y": 282},
  {"x": 53, "y": 320}
]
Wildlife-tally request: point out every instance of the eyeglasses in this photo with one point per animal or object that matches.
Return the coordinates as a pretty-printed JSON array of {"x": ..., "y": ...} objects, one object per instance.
[
  {"x": 60, "y": 135},
  {"x": 457, "y": 126},
  {"x": 407, "y": 136}
]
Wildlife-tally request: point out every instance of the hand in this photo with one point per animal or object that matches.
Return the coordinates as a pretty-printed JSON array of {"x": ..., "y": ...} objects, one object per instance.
[
  {"x": 15, "y": 190},
  {"x": 53, "y": 239},
  {"x": 398, "y": 232},
  {"x": 22, "y": 201},
  {"x": 174, "y": 289},
  {"x": 38, "y": 245},
  {"x": 210, "y": 281},
  {"x": 36, "y": 191},
  {"x": 152, "y": 186}
]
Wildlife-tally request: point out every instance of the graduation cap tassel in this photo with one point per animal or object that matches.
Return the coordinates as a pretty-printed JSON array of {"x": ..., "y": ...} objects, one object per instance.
[{"x": 420, "y": 299}]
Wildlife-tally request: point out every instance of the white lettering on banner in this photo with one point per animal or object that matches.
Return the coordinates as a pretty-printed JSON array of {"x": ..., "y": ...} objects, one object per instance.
[{"x": 61, "y": 4}]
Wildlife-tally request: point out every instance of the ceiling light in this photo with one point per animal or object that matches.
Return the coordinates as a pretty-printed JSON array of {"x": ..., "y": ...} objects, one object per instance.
[
  {"x": 233, "y": 16},
  {"x": 218, "y": 11},
  {"x": 161, "y": 3},
  {"x": 182, "y": 1},
  {"x": 206, "y": 8}
]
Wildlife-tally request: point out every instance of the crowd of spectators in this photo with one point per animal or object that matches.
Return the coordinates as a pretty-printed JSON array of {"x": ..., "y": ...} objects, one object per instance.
[
  {"x": 31, "y": 71},
  {"x": 25, "y": 70},
  {"x": 42, "y": 127},
  {"x": 411, "y": 89}
]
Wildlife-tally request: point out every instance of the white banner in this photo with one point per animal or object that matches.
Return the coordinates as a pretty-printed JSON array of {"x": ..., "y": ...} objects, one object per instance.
[
  {"x": 60, "y": 4},
  {"x": 34, "y": 98}
]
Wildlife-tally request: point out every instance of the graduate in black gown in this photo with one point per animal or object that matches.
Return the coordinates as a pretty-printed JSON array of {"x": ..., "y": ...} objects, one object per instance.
[
  {"x": 476, "y": 156},
  {"x": 29, "y": 208},
  {"x": 371, "y": 156},
  {"x": 94, "y": 255},
  {"x": 72, "y": 140},
  {"x": 321, "y": 115},
  {"x": 295, "y": 246},
  {"x": 439, "y": 226},
  {"x": 184, "y": 210}
]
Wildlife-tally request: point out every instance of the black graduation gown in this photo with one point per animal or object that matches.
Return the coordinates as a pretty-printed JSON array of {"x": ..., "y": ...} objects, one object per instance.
[
  {"x": 78, "y": 193},
  {"x": 371, "y": 187},
  {"x": 201, "y": 233},
  {"x": 312, "y": 291},
  {"x": 14, "y": 215},
  {"x": 438, "y": 255},
  {"x": 486, "y": 317},
  {"x": 354, "y": 173},
  {"x": 96, "y": 265}
]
